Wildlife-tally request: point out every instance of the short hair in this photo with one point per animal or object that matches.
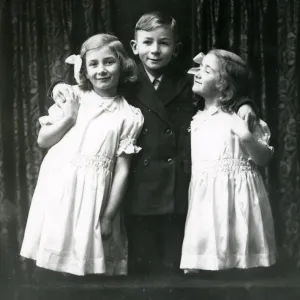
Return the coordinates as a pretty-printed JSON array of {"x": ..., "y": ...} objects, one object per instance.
[
  {"x": 156, "y": 19},
  {"x": 128, "y": 66},
  {"x": 235, "y": 78}
]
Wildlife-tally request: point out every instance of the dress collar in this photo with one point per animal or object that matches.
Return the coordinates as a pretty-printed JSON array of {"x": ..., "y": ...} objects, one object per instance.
[
  {"x": 107, "y": 103},
  {"x": 209, "y": 112}
]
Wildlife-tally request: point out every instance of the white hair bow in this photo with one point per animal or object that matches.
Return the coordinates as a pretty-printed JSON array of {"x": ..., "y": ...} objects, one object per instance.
[
  {"x": 77, "y": 62},
  {"x": 197, "y": 59}
]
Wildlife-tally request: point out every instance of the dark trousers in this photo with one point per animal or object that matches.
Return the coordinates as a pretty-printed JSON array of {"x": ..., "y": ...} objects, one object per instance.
[{"x": 154, "y": 243}]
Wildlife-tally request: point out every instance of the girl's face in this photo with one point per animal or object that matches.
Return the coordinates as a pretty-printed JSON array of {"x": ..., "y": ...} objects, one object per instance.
[
  {"x": 207, "y": 78},
  {"x": 103, "y": 70}
]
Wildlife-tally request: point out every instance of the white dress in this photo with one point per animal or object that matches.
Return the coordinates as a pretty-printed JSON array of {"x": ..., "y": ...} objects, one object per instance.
[
  {"x": 229, "y": 222},
  {"x": 63, "y": 228}
]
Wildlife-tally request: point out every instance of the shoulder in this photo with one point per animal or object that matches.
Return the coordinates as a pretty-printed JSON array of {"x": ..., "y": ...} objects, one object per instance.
[
  {"x": 178, "y": 74},
  {"x": 130, "y": 112}
]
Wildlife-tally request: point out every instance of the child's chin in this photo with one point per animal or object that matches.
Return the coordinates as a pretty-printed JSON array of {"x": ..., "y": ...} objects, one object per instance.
[{"x": 197, "y": 92}]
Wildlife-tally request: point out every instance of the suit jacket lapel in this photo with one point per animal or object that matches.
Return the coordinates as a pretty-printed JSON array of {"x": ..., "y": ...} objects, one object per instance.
[
  {"x": 148, "y": 96},
  {"x": 171, "y": 85}
]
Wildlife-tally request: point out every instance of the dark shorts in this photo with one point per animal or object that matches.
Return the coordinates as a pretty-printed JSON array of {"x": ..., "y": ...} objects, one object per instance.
[{"x": 154, "y": 243}]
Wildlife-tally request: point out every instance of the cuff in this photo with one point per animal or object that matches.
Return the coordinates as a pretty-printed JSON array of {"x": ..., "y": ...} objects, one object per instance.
[
  {"x": 248, "y": 101},
  {"x": 128, "y": 146},
  {"x": 50, "y": 90}
]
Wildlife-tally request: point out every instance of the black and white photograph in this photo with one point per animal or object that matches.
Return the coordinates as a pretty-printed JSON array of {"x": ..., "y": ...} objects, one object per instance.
[{"x": 149, "y": 149}]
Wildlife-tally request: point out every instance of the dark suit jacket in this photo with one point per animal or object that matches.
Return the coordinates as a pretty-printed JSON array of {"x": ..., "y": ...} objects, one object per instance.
[{"x": 160, "y": 173}]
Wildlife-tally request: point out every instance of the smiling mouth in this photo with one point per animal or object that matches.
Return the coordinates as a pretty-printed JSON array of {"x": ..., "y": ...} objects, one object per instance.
[
  {"x": 154, "y": 60},
  {"x": 103, "y": 79}
]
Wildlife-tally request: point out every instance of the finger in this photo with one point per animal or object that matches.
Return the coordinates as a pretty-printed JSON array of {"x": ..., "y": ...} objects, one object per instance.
[
  {"x": 62, "y": 96},
  {"x": 252, "y": 122},
  {"x": 59, "y": 100},
  {"x": 70, "y": 92}
]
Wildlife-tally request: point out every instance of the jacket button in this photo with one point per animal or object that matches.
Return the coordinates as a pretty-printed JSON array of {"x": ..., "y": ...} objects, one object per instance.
[
  {"x": 145, "y": 130},
  {"x": 170, "y": 161},
  {"x": 146, "y": 162},
  {"x": 168, "y": 131}
]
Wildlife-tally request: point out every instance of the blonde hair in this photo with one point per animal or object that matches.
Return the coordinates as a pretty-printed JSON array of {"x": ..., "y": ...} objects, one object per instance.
[
  {"x": 152, "y": 20},
  {"x": 128, "y": 66},
  {"x": 235, "y": 78}
]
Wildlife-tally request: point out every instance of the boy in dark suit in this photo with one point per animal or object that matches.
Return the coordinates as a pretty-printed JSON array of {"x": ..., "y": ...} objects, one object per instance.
[{"x": 157, "y": 196}]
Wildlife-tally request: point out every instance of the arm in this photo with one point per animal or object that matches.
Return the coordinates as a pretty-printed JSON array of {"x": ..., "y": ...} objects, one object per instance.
[
  {"x": 246, "y": 109},
  {"x": 260, "y": 153},
  {"x": 49, "y": 135},
  {"x": 52, "y": 133},
  {"x": 117, "y": 192}
]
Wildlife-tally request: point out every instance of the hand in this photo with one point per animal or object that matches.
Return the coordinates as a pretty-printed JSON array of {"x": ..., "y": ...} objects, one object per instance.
[
  {"x": 245, "y": 110},
  {"x": 106, "y": 227},
  {"x": 70, "y": 109},
  {"x": 241, "y": 126},
  {"x": 61, "y": 93}
]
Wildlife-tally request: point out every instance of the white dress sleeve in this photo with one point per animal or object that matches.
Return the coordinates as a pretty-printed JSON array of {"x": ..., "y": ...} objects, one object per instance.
[
  {"x": 262, "y": 133},
  {"x": 55, "y": 114},
  {"x": 132, "y": 127}
]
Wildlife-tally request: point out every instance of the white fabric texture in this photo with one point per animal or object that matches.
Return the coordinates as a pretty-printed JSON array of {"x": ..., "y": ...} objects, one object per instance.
[
  {"x": 63, "y": 228},
  {"x": 229, "y": 222}
]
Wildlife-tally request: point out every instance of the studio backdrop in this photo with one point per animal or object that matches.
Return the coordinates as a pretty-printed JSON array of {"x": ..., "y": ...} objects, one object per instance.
[{"x": 37, "y": 35}]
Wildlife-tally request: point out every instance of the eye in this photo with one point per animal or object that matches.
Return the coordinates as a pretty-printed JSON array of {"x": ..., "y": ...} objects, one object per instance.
[
  {"x": 164, "y": 43},
  {"x": 92, "y": 63},
  {"x": 109, "y": 62},
  {"x": 147, "y": 42}
]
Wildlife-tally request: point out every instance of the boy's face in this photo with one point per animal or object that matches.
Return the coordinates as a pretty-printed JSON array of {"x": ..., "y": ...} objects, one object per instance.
[{"x": 155, "y": 48}]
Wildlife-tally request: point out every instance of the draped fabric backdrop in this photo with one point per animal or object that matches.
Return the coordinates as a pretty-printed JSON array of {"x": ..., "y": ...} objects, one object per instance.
[{"x": 35, "y": 38}]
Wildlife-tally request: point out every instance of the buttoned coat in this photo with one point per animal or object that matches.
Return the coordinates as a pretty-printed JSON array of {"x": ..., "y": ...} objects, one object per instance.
[{"x": 160, "y": 173}]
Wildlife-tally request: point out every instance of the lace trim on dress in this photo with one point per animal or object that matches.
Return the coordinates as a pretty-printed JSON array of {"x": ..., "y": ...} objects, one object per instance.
[
  {"x": 93, "y": 161},
  {"x": 128, "y": 146},
  {"x": 225, "y": 165}
]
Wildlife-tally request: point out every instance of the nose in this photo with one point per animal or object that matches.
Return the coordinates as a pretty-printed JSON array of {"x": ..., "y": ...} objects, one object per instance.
[
  {"x": 101, "y": 69},
  {"x": 155, "y": 48},
  {"x": 198, "y": 74}
]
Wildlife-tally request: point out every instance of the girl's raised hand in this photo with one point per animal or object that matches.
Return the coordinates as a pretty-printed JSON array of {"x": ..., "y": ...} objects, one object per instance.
[
  {"x": 61, "y": 93},
  {"x": 245, "y": 110},
  {"x": 70, "y": 108},
  {"x": 241, "y": 126},
  {"x": 106, "y": 227}
]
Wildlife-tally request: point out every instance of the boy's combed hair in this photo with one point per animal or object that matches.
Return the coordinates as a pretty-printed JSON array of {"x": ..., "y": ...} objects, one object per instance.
[
  {"x": 235, "y": 78},
  {"x": 128, "y": 66},
  {"x": 156, "y": 19}
]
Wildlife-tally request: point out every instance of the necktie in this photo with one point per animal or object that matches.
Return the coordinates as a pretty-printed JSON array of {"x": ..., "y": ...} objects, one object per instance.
[{"x": 155, "y": 83}]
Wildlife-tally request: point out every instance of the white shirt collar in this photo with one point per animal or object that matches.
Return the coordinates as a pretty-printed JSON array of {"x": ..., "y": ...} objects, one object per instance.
[{"x": 152, "y": 78}]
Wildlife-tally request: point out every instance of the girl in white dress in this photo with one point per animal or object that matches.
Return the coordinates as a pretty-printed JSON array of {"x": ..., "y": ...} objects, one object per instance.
[
  {"x": 229, "y": 222},
  {"x": 74, "y": 223}
]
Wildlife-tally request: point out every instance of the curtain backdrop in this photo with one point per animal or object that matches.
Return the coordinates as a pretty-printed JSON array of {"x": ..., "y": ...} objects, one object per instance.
[{"x": 35, "y": 38}]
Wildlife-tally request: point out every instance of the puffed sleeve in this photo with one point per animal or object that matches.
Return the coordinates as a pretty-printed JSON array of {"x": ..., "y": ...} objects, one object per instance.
[
  {"x": 262, "y": 134},
  {"x": 55, "y": 114},
  {"x": 131, "y": 129}
]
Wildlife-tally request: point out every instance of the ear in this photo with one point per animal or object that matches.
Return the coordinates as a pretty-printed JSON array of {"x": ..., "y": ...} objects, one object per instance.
[
  {"x": 133, "y": 45},
  {"x": 177, "y": 49}
]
